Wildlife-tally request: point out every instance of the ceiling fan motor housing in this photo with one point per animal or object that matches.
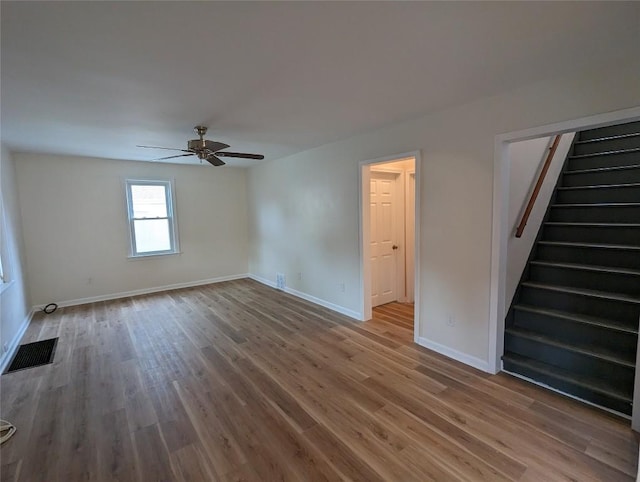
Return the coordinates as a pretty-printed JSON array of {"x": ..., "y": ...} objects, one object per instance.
[{"x": 196, "y": 144}]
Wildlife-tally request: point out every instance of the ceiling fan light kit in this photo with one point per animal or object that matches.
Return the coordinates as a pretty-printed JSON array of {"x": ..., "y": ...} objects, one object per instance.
[{"x": 206, "y": 150}]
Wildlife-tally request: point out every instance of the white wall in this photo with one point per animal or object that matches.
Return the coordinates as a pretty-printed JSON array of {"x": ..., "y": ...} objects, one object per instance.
[
  {"x": 14, "y": 306},
  {"x": 303, "y": 209},
  {"x": 526, "y": 159},
  {"x": 76, "y": 234}
]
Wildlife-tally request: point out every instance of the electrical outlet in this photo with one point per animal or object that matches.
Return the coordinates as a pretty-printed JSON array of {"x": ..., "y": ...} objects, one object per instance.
[
  {"x": 299, "y": 276},
  {"x": 341, "y": 287},
  {"x": 5, "y": 348},
  {"x": 451, "y": 321},
  {"x": 281, "y": 281}
]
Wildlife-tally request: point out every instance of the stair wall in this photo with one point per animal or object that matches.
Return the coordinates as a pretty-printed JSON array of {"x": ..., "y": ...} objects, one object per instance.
[{"x": 526, "y": 159}]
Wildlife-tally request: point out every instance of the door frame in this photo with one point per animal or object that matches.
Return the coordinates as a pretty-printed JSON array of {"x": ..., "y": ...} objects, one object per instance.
[
  {"x": 500, "y": 224},
  {"x": 409, "y": 199},
  {"x": 364, "y": 234}
]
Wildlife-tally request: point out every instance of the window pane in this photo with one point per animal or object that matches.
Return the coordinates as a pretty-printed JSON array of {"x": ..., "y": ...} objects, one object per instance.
[
  {"x": 149, "y": 201},
  {"x": 152, "y": 235}
]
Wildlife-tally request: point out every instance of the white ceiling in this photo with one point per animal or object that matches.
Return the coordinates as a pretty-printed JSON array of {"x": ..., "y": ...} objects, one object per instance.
[{"x": 97, "y": 78}]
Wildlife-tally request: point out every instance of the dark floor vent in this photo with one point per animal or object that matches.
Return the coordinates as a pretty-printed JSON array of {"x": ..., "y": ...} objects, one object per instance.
[{"x": 33, "y": 355}]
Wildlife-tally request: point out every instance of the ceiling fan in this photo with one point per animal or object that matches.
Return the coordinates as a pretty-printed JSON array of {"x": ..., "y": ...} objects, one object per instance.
[{"x": 209, "y": 151}]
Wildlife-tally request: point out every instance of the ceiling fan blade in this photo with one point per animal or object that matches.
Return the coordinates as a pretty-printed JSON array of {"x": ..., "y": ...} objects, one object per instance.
[
  {"x": 165, "y": 148},
  {"x": 216, "y": 161},
  {"x": 171, "y": 157},
  {"x": 241, "y": 155},
  {"x": 215, "y": 146}
]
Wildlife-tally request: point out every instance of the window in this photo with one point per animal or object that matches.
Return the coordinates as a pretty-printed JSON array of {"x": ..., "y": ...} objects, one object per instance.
[{"x": 151, "y": 212}]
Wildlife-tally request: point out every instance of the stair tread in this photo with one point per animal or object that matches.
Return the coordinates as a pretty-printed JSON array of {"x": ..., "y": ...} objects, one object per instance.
[
  {"x": 597, "y": 225},
  {"x": 591, "y": 205},
  {"x": 589, "y": 320},
  {"x": 596, "y": 385},
  {"x": 591, "y": 245},
  {"x": 609, "y": 138},
  {"x": 606, "y": 153},
  {"x": 601, "y": 353},
  {"x": 583, "y": 291},
  {"x": 600, "y": 186},
  {"x": 603, "y": 169},
  {"x": 588, "y": 267}
]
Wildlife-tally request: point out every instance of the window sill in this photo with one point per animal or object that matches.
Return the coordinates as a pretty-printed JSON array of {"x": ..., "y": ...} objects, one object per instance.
[
  {"x": 147, "y": 256},
  {"x": 5, "y": 286}
]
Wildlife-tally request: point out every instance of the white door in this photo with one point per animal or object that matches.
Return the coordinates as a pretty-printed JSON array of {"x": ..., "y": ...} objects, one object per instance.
[{"x": 384, "y": 247}]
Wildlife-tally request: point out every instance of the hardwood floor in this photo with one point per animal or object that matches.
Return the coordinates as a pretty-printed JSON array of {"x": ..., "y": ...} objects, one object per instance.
[
  {"x": 236, "y": 381},
  {"x": 394, "y": 320}
]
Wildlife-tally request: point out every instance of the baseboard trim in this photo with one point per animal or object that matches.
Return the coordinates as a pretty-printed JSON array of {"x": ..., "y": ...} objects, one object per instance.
[
  {"x": 455, "y": 354},
  {"x": 307, "y": 297},
  {"x": 262, "y": 280},
  {"x": 15, "y": 342},
  {"x": 145, "y": 291}
]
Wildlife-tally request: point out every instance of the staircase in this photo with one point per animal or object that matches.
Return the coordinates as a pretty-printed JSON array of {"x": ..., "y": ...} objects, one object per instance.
[{"x": 573, "y": 324}]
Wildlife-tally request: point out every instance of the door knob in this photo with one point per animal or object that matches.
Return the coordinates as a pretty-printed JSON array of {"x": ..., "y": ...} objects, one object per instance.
[{"x": 394, "y": 247}]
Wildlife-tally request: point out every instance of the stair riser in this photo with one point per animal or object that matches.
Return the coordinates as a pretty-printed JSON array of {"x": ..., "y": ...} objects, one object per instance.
[
  {"x": 595, "y": 214},
  {"x": 595, "y": 256},
  {"x": 599, "y": 195},
  {"x": 604, "y": 160},
  {"x": 632, "y": 142},
  {"x": 616, "y": 130},
  {"x": 629, "y": 236},
  {"x": 620, "y": 311},
  {"x": 575, "y": 362},
  {"x": 573, "y": 332},
  {"x": 594, "y": 280},
  {"x": 566, "y": 387},
  {"x": 620, "y": 176}
]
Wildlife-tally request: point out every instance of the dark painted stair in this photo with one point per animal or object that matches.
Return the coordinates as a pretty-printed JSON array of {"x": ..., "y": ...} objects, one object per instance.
[{"x": 573, "y": 323}]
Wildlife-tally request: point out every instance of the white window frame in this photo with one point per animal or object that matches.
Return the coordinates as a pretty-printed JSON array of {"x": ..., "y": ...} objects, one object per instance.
[{"x": 171, "y": 216}]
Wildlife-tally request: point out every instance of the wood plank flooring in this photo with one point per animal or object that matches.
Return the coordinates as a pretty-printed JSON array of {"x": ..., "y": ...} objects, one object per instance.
[
  {"x": 394, "y": 320},
  {"x": 238, "y": 382}
]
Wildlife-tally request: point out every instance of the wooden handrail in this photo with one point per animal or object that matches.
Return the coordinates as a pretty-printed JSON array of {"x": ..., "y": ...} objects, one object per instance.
[{"x": 536, "y": 190}]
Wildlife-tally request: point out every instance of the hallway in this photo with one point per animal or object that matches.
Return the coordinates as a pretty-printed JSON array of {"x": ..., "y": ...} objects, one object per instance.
[{"x": 395, "y": 320}]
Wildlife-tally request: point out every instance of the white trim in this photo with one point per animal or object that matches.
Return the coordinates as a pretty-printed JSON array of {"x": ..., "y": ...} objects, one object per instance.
[
  {"x": 364, "y": 225},
  {"x": 500, "y": 228},
  {"x": 152, "y": 255},
  {"x": 15, "y": 342},
  {"x": 499, "y": 244},
  {"x": 454, "y": 354},
  {"x": 262, "y": 280},
  {"x": 144, "y": 291},
  {"x": 5, "y": 286},
  {"x": 318, "y": 301},
  {"x": 365, "y": 274},
  {"x": 410, "y": 185},
  {"x": 417, "y": 268},
  {"x": 170, "y": 206},
  {"x": 387, "y": 169}
]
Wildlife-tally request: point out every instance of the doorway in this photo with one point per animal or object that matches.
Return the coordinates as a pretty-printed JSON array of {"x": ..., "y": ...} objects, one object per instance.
[{"x": 388, "y": 233}]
